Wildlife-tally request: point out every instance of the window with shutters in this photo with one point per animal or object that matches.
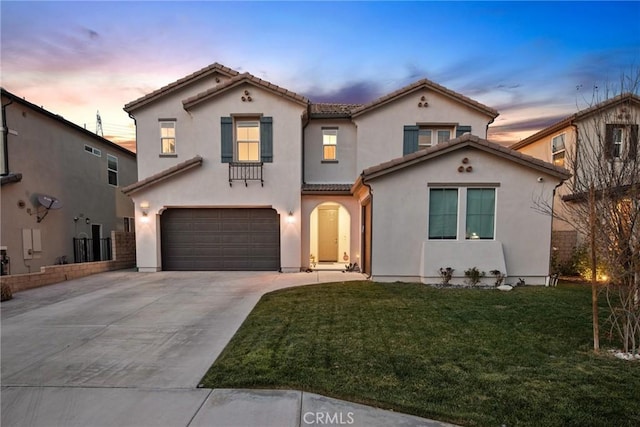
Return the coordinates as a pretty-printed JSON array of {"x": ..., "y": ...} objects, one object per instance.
[
  {"x": 418, "y": 137},
  {"x": 248, "y": 140},
  {"x": 621, "y": 141},
  {"x": 429, "y": 136}
]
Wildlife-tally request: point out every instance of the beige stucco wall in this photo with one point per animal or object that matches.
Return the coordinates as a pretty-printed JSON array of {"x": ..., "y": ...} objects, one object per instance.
[
  {"x": 342, "y": 171},
  {"x": 51, "y": 158},
  {"x": 402, "y": 251},
  {"x": 169, "y": 107},
  {"x": 381, "y": 131},
  {"x": 208, "y": 185}
]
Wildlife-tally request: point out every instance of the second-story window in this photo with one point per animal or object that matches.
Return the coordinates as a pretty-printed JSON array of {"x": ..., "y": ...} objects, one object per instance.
[
  {"x": 248, "y": 140},
  {"x": 168, "y": 137},
  {"x": 428, "y": 136},
  {"x": 558, "y": 150},
  {"x": 329, "y": 144},
  {"x": 621, "y": 141},
  {"x": 112, "y": 169}
]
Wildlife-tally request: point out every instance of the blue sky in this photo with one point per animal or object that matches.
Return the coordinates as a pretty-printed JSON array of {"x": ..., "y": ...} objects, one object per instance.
[{"x": 525, "y": 59}]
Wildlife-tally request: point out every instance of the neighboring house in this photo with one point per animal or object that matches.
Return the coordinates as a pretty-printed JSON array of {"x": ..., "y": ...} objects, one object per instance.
[
  {"x": 49, "y": 162},
  {"x": 237, "y": 173},
  {"x": 608, "y": 129}
]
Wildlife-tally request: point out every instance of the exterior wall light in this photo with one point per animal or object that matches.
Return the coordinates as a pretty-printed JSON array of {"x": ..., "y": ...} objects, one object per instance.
[
  {"x": 144, "y": 206},
  {"x": 290, "y": 218}
]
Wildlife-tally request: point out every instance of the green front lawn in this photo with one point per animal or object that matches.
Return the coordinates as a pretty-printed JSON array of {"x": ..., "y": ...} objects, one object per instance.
[{"x": 467, "y": 356}]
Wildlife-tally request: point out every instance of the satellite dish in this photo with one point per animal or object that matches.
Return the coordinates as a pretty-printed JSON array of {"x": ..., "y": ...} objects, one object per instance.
[{"x": 48, "y": 202}]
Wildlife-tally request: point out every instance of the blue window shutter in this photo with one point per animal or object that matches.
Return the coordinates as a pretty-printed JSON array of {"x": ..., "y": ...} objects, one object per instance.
[
  {"x": 266, "y": 139},
  {"x": 461, "y": 130},
  {"x": 226, "y": 139},
  {"x": 410, "y": 144}
]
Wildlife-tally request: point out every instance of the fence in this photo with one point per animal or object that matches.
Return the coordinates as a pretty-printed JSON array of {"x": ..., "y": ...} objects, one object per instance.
[{"x": 91, "y": 250}]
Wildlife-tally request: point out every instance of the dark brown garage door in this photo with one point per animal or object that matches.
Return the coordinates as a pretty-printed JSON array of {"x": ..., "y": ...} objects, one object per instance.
[{"x": 220, "y": 239}]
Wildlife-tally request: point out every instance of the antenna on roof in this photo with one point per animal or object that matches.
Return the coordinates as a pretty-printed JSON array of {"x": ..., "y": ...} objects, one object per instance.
[{"x": 99, "y": 124}]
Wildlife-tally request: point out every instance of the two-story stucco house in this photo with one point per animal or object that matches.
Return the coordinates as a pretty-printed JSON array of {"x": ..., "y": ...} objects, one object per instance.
[
  {"x": 608, "y": 131},
  {"x": 237, "y": 173},
  {"x": 59, "y": 182}
]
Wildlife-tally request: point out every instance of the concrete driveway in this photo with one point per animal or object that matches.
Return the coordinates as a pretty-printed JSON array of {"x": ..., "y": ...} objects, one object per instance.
[
  {"x": 124, "y": 348},
  {"x": 127, "y": 349}
]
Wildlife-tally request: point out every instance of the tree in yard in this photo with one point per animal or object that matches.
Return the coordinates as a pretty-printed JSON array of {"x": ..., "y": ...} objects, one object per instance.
[{"x": 602, "y": 202}]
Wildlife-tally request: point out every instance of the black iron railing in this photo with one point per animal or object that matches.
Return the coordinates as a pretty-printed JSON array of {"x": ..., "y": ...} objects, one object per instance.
[
  {"x": 245, "y": 172},
  {"x": 89, "y": 250}
]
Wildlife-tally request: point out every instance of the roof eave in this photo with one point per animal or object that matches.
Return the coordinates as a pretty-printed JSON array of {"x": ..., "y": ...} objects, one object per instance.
[{"x": 162, "y": 176}]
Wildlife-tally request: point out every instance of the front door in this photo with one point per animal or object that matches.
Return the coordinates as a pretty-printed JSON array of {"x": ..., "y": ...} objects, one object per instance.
[{"x": 328, "y": 234}]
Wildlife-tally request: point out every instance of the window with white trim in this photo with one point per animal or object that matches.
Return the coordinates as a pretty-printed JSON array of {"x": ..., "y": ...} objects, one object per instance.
[
  {"x": 329, "y": 144},
  {"x": 248, "y": 140},
  {"x": 429, "y": 136},
  {"x": 112, "y": 169},
  {"x": 481, "y": 213},
  {"x": 168, "y": 137},
  {"x": 558, "y": 150},
  {"x": 443, "y": 213},
  {"x": 93, "y": 150}
]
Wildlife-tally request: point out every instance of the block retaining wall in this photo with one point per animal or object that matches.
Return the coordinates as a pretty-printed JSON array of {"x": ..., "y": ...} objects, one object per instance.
[{"x": 123, "y": 247}]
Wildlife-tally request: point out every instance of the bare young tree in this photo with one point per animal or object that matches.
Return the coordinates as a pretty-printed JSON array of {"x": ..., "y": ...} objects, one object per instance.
[{"x": 602, "y": 202}]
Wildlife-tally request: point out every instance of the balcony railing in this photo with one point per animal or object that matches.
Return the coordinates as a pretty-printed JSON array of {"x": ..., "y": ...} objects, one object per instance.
[{"x": 240, "y": 171}]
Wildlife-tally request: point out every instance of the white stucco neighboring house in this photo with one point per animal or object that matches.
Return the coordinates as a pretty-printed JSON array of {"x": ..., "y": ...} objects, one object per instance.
[{"x": 237, "y": 173}]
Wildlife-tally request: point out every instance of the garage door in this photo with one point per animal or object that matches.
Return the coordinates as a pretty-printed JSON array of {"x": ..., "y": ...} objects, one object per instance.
[{"x": 220, "y": 239}]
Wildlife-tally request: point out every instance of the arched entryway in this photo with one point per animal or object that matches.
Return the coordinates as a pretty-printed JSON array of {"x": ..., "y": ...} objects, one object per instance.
[{"x": 329, "y": 236}]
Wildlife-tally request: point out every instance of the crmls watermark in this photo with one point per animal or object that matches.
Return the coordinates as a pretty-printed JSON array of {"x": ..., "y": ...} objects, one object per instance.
[{"x": 328, "y": 418}]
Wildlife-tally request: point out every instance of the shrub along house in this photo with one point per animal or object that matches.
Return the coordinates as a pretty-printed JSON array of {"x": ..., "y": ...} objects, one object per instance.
[{"x": 237, "y": 173}]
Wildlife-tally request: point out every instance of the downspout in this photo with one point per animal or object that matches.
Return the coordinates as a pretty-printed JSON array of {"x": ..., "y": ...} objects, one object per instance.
[
  {"x": 364, "y": 231},
  {"x": 5, "y": 138},
  {"x": 304, "y": 127}
]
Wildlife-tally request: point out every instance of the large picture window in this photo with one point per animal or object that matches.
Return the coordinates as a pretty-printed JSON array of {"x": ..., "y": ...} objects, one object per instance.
[
  {"x": 481, "y": 204},
  {"x": 443, "y": 213}
]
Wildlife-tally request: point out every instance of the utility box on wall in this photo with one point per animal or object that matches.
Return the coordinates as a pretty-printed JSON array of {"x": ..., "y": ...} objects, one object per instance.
[{"x": 31, "y": 243}]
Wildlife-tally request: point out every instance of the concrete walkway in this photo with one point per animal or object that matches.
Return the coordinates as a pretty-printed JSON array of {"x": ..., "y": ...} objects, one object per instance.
[{"x": 129, "y": 349}]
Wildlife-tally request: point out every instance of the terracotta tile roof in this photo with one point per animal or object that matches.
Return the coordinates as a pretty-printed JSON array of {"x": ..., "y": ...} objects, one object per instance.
[
  {"x": 461, "y": 142},
  {"x": 326, "y": 188},
  {"x": 180, "y": 83},
  {"x": 332, "y": 111},
  {"x": 426, "y": 84},
  {"x": 238, "y": 80},
  {"x": 582, "y": 114},
  {"x": 163, "y": 175}
]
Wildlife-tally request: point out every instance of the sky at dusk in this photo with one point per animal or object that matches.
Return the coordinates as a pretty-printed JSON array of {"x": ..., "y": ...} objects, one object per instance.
[{"x": 535, "y": 62}]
